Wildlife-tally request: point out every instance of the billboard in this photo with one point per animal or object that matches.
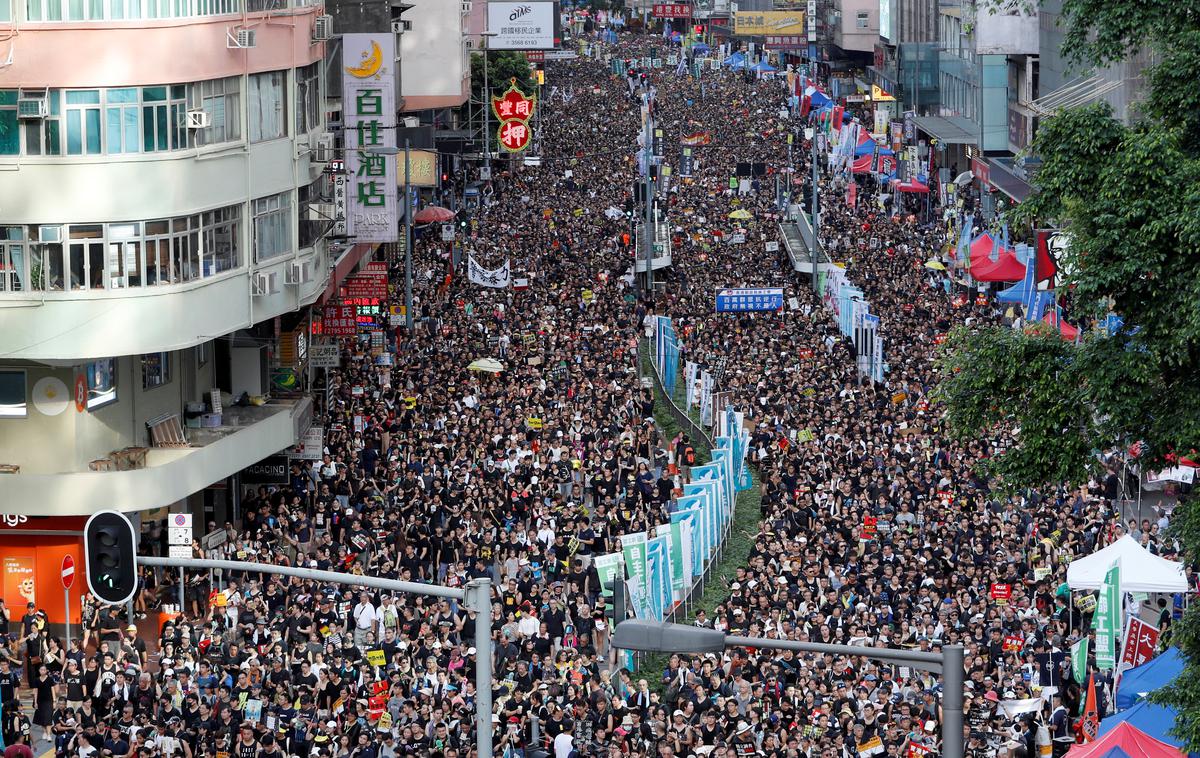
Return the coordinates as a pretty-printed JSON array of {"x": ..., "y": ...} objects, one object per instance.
[
  {"x": 759, "y": 23},
  {"x": 523, "y": 26},
  {"x": 885, "y": 21},
  {"x": 369, "y": 103},
  {"x": 435, "y": 67}
]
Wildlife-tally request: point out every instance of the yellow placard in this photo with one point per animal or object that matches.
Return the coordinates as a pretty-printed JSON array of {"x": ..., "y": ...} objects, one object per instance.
[
  {"x": 534, "y": 423},
  {"x": 385, "y": 721},
  {"x": 752, "y": 23},
  {"x": 376, "y": 658}
]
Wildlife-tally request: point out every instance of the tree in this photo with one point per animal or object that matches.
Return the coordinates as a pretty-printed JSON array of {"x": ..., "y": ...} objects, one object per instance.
[
  {"x": 503, "y": 67},
  {"x": 1129, "y": 197}
]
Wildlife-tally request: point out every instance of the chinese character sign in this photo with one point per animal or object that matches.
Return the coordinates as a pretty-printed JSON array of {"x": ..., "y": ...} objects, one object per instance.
[
  {"x": 1107, "y": 620},
  {"x": 514, "y": 109},
  {"x": 339, "y": 321},
  {"x": 672, "y": 10},
  {"x": 369, "y": 103}
]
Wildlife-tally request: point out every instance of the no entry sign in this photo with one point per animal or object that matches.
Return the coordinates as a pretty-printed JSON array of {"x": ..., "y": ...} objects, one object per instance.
[{"x": 68, "y": 571}]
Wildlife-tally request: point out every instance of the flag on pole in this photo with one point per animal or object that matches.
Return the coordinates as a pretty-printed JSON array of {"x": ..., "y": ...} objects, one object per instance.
[
  {"x": 1079, "y": 654},
  {"x": 1107, "y": 621},
  {"x": 1089, "y": 728}
]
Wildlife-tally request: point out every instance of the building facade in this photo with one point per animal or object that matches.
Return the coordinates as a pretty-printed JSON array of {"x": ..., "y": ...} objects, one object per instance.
[{"x": 162, "y": 221}]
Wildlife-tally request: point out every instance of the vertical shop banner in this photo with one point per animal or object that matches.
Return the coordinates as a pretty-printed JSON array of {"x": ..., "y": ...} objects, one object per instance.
[
  {"x": 608, "y": 567},
  {"x": 1107, "y": 621},
  {"x": 369, "y": 104},
  {"x": 20, "y": 582},
  {"x": 633, "y": 546}
]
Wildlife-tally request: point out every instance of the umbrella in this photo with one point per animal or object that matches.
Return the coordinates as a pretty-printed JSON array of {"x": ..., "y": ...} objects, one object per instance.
[
  {"x": 433, "y": 214},
  {"x": 741, "y": 213},
  {"x": 486, "y": 365},
  {"x": 935, "y": 265}
]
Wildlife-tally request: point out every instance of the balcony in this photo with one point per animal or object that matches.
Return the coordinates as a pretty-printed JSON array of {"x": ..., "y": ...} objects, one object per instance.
[{"x": 247, "y": 435}]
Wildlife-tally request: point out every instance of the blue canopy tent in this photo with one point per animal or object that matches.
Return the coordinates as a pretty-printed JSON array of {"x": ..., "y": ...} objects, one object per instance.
[
  {"x": 762, "y": 67},
  {"x": 737, "y": 60},
  {"x": 1155, "y": 720},
  {"x": 1150, "y": 676}
]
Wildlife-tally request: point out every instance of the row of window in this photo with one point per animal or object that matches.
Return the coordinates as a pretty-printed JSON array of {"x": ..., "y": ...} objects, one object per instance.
[
  {"x": 100, "y": 375},
  {"x": 137, "y": 254},
  {"x": 124, "y": 120},
  {"x": 123, "y": 10}
]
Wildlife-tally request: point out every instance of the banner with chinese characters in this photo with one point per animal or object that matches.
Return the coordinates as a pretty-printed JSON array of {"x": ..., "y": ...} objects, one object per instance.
[
  {"x": 1141, "y": 639},
  {"x": 369, "y": 103},
  {"x": 496, "y": 278},
  {"x": 514, "y": 110}
]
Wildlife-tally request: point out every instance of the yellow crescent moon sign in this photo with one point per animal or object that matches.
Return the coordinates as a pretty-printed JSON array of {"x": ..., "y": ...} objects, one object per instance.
[{"x": 370, "y": 65}]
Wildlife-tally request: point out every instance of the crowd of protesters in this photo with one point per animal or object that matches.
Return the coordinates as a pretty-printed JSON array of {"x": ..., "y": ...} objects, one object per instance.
[{"x": 876, "y": 529}]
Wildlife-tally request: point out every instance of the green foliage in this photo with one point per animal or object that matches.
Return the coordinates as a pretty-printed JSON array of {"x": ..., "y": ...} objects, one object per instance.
[
  {"x": 1130, "y": 199},
  {"x": 503, "y": 66}
]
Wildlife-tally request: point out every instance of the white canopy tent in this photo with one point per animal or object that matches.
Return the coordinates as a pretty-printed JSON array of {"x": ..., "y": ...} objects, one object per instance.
[{"x": 1141, "y": 571}]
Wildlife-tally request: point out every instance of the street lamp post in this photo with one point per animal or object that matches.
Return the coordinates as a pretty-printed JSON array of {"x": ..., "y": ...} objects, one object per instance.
[
  {"x": 816, "y": 213},
  {"x": 408, "y": 300},
  {"x": 665, "y": 637}
]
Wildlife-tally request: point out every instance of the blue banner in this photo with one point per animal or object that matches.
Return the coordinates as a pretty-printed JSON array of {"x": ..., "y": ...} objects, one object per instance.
[
  {"x": 691, "y": 517},
  {"x": 731, "y": 299}
]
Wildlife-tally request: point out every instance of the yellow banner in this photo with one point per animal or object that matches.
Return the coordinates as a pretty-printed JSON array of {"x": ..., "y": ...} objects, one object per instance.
[
  {"x": 376, "y": 658},
  {"x": 750, "y": 23}
]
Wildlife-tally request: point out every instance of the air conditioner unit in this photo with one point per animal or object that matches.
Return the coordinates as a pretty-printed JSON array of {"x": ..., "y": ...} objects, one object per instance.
[
  {"x": 466, "y": 7},
  {"x": 299, "y": 273},
  {"x": 197, "y": 119},
  {"x": 322, "y": 28},
  {"x": 322, "y": 212},
  {"x": 241, "y": 39},
  {"x": 302, "y": 146},
  {"x": 322, "y": 149},
  {"x": 32, "y": 108},
  {"x": 263, "y": 284},
  {"x": 401, "y": 26}
]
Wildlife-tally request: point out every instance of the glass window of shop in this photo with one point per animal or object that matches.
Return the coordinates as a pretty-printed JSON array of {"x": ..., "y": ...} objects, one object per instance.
[
  {"x": 118, "y": 256},
  {"x": 156, "y": 370},
  {"x": 101, "y": 382}
]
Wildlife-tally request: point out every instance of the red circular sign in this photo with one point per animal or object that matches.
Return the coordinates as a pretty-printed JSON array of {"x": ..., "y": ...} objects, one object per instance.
[{"x": 68, "y": 571}]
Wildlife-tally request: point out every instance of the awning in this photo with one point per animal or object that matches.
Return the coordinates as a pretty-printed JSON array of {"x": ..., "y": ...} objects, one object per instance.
[
  {"x": 1003, "y": 177},
  {"x": 951, "y": 131}
]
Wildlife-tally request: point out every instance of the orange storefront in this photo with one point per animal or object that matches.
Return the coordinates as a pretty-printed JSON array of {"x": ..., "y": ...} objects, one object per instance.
[{"x": 31, "y": 557}]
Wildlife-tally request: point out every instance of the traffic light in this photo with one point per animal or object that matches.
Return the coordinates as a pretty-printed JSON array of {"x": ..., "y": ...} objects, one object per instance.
[
  {"x": 110, "y": 554},
  {"x": 617, "y": 610}
]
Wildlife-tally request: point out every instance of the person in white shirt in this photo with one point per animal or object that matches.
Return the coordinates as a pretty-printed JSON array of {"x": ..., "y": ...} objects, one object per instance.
[
  {"x": 365, "y": 619},
  {"x": 564, "y": 742}
]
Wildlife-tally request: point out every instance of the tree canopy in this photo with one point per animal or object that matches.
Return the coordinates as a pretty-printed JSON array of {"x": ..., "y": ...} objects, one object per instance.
[{"x": 1129, "y": 198}]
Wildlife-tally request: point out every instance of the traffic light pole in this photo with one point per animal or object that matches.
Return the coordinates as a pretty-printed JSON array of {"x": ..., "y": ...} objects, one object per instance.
[{"x": 477, "y": 596}]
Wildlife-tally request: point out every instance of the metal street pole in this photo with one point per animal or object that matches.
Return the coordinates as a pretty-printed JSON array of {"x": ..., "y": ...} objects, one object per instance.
[
  {"x": 408, "y": 303},
  {"x": 816, "y": 213},
  {"x": 487, "y": 106},
  {"x": 661, "y": 637},
  {"x": 649, "y": 193},
  {"x": 67, "y": 634},
  {"x": 476, "y": 596}
]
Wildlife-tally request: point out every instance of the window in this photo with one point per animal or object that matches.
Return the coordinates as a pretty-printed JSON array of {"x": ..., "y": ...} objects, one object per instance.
[
  {"x": 156, "y": 370},
  {"x": 10, "y": 138},
  {"x": 163, "y": 119},
  {"x": 312, "y": 223},
  {"x": 13, "y": 260},
  {"x": 308, "y": 98},
  {"x": 83, "y": 122},
  {"x": 5, "y": 11},
  {"x": 43, "y": 10},
  {"x": 101, "y": 383},
  {"x": 272, "y": 226},
  {"x": 220, "y": 240},
  {"x": 12, "y": 393},
  {"x": 863, "y": 20},
  {"x": 221, "y": 100},
  {"x": 121, "y": 121},
  {"x": 44, "y": 136},
  {"x": 268, "y": 108}
]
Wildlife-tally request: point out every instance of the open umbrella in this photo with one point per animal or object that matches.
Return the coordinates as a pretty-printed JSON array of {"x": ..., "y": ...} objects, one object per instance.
[
  {"x": 935, "y": 265},
  {"x": 486, "y": 365},
  {"x": 741, "y": 213},
  {"x": 434, "y": 214}
]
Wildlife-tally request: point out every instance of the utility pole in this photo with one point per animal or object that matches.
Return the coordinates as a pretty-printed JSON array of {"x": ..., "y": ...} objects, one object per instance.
[
  {"x": 816, "y": 213},
  {"x": 408, "y": 300},
  {"x": 648, "y": 230},
  {"x": 476, "y": 596},
  {"x": 487, "y": 107}
]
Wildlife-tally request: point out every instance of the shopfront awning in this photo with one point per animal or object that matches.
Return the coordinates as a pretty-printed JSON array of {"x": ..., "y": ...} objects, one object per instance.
[
  {"x": 1003, "y": 176},
  {"x": 954, "y": 130}
]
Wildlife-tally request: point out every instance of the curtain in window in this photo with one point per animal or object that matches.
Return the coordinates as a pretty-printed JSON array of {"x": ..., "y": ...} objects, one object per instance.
[{"x": 266, "y": 106}]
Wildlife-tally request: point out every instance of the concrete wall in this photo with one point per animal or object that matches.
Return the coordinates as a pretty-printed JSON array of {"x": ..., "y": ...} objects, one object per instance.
[
  {"x": 69, "y": 441},
  {"x": 1006, "y": 33},
  {"x": 847, "y": 35},
  {"x": 434, "y": 68}
]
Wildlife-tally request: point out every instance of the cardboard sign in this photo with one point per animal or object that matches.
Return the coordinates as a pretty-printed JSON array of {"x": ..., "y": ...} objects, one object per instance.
[
  {"x": 1013, "y": 643},
  {"x": 1001, "y": 593},
  {"x": 870, "y": 527},
  {"x": 376, "y": 658}
]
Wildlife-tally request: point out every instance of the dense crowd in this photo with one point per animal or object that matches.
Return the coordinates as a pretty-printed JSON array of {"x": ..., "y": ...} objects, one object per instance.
[{"x": 436, "y": 473}]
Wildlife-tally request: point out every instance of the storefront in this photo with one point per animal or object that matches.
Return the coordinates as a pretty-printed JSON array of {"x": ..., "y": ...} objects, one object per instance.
[{"x": 31, "y": 553}]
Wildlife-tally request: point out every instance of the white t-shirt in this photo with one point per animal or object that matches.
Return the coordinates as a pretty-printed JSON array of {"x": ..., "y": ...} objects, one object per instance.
[{"x": 563, "y": 745}]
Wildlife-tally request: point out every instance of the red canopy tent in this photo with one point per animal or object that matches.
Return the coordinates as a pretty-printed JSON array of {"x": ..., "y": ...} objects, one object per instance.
[
  {"x": 911, "y": 186},
  {"x": 1130, "y": 740},
  {"x": 1067, "y": 331},
  {"x": 1006, "y": 268}
]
